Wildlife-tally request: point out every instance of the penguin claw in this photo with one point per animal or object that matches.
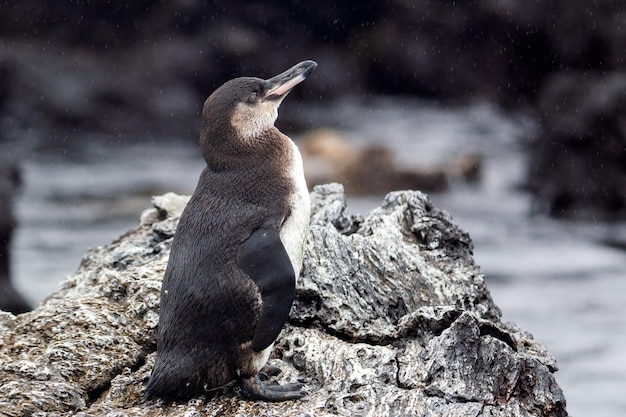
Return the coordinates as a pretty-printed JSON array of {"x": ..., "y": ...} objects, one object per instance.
[
  {"x": 296, "y": 386},
  {"x": 254, "y": 389}
]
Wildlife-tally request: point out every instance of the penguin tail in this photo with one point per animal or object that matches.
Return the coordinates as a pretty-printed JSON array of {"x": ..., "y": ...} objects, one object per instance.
[
  {"x": 170, "y": 382},
  {"x": 168, "y": 386}
]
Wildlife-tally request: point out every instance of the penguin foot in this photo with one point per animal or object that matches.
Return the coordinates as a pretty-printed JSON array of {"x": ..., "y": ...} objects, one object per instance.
[
  {"x": 268, "y": 371},
  {"x": 254, "y": 388}
]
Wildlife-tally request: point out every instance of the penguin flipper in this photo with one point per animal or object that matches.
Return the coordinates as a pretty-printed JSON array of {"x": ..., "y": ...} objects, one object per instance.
[{"x": 264, "y": 258}]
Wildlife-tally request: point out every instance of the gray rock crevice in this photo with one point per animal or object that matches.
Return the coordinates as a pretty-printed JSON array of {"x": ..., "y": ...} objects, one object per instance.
[{"x": 392, "y": 317}]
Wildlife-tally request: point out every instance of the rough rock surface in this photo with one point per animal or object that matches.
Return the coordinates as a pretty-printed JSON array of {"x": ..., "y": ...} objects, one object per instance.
[{"x": 392, "y": 317}]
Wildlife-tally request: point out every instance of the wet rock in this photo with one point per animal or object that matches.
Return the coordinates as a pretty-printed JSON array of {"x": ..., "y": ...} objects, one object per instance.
[
  {"x": 391, "y": 316},
  {"x": 578, "y": 163}
]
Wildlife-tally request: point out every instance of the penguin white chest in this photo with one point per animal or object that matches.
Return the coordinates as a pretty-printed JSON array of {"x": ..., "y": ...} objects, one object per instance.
[{"x": 294, "y": 231}]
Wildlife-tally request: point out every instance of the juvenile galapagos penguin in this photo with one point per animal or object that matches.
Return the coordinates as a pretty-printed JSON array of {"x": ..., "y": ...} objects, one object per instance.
[{"x": 238, "y": 249}]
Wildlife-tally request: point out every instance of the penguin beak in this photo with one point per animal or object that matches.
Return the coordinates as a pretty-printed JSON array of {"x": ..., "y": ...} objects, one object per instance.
[{"x": 277, "y": 87}]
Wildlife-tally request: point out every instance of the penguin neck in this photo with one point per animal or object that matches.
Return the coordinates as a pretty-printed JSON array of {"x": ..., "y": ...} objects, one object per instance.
[{"x": 226, "y": 149}]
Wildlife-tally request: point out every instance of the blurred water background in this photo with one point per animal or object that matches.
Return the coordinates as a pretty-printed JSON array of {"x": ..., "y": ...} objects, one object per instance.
[{"x": 558, "y": 280}]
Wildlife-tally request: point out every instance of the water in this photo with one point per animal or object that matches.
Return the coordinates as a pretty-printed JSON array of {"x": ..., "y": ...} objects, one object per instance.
[{"x": 553, "y": 279}]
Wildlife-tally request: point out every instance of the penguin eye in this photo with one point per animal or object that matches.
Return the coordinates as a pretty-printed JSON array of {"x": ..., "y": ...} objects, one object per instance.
[{"x": 253, "y": 97}]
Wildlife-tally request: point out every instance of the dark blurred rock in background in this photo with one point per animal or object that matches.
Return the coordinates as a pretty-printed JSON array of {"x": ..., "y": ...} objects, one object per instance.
[
  {"x": 10, "y": 299},
  {"x": 579, "y": 165},
  {"x": 142, "y": 69}
]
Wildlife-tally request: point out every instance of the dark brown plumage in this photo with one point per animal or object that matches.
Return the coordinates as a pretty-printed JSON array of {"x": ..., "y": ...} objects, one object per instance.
[{"x": 230, "y": 279}]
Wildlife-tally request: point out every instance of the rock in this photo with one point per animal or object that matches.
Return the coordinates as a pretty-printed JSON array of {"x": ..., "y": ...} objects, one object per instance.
[
  {"x": 10, "y": 298},
  {"x": 392, "y": 317},
  {"x": 468, "y": 167},
  {"x": 578, "y": 163},
  {"x": 326, "y": 153},
  {"x": 372, "y": 169}
]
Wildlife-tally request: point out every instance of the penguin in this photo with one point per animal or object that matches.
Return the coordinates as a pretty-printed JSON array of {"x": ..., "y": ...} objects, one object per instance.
[{"x": 238, "y": 249}]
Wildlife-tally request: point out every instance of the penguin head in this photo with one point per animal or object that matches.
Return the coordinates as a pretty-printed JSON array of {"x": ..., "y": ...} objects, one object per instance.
[{"x": 246, "y": 107}]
